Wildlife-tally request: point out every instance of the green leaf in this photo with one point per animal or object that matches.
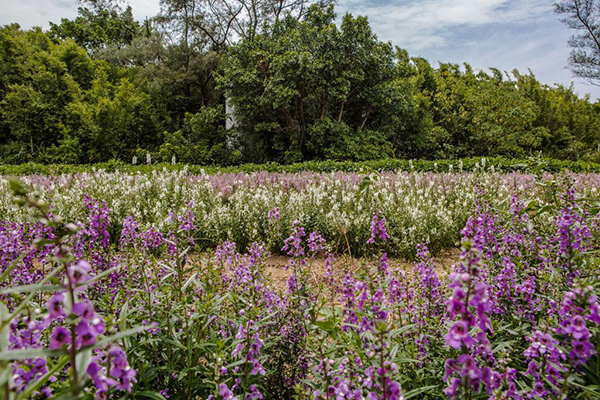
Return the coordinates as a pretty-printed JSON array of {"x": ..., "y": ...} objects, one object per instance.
[
  {"x": 116, "y": 337},
  {"x": 190, "y": 280},
  {"x": 150, "y": 395},
  {"x": 418, "y": 391},
  {"x": 401, "y": 360},
  {"x": 99, "y": 276},
  {"x": 33, "y": 288},
  {"x": 401, "y": 330},
  {"x": 30, "y": 353},
  {"x": 6, "y": 374},
  {"x": 544, "y": 209},
  {"x": 5, "y": 329},
  {"x": 17, "y": 187},
  {"x": 82, "y": 360},
  {"x": 365, "y": 184},
  {"x": 234, "y": 364}
]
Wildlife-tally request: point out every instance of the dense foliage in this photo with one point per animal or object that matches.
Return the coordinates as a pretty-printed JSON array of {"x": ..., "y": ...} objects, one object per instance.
[
  {"x": 515, "y": 318},
  {"x": 105, "y": 87},
  {"x": 472, "y": 164}
]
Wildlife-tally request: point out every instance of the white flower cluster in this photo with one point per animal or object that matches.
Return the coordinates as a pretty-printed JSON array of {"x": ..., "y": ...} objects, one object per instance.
[{"x": 419, "y": 207}]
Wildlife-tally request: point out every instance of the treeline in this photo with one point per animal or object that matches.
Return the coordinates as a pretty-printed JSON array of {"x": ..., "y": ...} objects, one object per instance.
[{"x": 107, "y": 87}]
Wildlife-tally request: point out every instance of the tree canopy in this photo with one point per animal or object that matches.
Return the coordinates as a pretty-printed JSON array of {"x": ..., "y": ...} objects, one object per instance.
[{"x": 304, "y": 86}]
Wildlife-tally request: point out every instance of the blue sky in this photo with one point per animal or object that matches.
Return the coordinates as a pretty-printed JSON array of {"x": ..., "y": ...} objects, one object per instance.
[{"x": 505, "y": 34}]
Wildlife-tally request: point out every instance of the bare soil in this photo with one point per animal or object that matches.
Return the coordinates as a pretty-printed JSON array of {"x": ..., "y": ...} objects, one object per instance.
[{"x": 278, "y": 273}]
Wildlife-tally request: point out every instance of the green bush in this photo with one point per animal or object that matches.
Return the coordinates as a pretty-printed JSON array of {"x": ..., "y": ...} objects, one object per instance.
[{"x": 466, "y": 164}]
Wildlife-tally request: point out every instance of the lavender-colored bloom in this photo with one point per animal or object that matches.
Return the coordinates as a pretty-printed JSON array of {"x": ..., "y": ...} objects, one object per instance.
[
  {"x": 84, "y": 309},
  {"x": 129, "y": 232},
  {"x": 274, "y": 214},
  {"x": 457, "y": 334},
  {"x": 79, "y": 272},
  {"x": 55, "y": 304},
  {"x": 225, "y": 393},
  {"x": 293, "y": 244},
  {"x": 329, "y": 275},
  {"x": 316, "y": 242},
  {"x": 60, "y": 337},
  {"x": 86, "y": 336},
  {"x": 470, "y": 304},
  {"x": 378, "y": 230}
]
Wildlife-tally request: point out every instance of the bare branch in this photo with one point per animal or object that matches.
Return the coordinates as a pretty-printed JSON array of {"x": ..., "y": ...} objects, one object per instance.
[{"x": 583, "y": 16}]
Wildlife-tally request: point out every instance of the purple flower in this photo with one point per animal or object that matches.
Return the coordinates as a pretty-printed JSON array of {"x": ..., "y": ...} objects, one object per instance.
[
  {"x": 84, "y": 309},
  {"x": 378, "y": 230},
  {"x": 469, "y": 302},
  {"x": 394, "y": 391},
  {"x": 293, "y": 244},
  {"x": 316, "y": 242},
  {"x": 274, "y": 214},
  {"x": 539, "y": 390},
  {"x": 118, "y": 356},
  {"x": 79, "y": 273},
  {"x": 129, "y": 233},
  {"x": 125, "y": 377},
  {"x": 452, "y": 390},
  {"x": 225, "y": 393},
  {"x": 457, "y": 334},
  {"x": 94, "y": 368},
  {"x": 257, "y": 368},
  {"x": 60, "y": 337},
  {"x": 581, "y": 351},
  {"x": 86, "y": 336},
  {"x": 55, "y": 303}
]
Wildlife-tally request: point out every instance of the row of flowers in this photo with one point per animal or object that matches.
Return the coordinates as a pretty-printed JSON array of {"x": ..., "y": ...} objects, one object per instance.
[{"x": 419, "y": 207}]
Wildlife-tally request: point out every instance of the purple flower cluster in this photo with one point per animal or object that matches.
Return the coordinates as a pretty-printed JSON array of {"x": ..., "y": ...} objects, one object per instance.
[
  {"x": 98, "y": 223},
  {"x": 545, "y": 363},
  {"x": 573, "y": 234},
  {"x": 350, "y": 379},
  {"x": 378, "y": 230},
  {"x": 316, "y": 242},
  {"x": 469, "y": 302},
  {"x": 28, "y": 335},
  {"x": 74, "y": 326},
  {"x": 274, "y": 214},
  {"x": 293, "y": 244},
  {"x": 110, "y": 369},
  {"x": 129, "y": 232},
  {"x": 431, "y": 295},
  {"x": 580, "y": 307}
]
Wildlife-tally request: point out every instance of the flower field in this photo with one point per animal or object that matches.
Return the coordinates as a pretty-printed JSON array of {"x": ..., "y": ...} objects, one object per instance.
[{"x": 155, "y": 285}]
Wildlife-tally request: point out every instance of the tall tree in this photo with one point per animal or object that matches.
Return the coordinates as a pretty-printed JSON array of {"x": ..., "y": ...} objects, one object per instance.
[
  {"x": 584, "y": 17},
  {"x": 100, "y": 23},
  {"x": 243, "y": 19},
  {"x": 310, "y": 89}
]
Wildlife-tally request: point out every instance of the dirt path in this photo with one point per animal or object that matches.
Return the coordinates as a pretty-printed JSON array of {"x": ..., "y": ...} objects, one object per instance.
[{"x": 278, "y": 273}]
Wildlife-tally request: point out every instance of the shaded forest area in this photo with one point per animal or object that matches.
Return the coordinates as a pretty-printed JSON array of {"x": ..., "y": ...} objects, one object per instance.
[{"x": 304, "y": 85}]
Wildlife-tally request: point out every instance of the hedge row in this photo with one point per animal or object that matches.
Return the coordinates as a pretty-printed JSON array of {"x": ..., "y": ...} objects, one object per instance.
[{"x": 466, "y": 164}]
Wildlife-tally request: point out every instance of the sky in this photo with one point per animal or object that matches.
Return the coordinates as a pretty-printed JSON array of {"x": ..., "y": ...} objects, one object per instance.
[{"x": 504, "y": 34}]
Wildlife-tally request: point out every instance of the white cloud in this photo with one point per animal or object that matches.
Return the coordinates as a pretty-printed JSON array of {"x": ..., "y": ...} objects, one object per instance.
[
  {"x": 30, "y": 13},
  {"x": 144, "y": 8},
  {"x": 422, "y": 24}
]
